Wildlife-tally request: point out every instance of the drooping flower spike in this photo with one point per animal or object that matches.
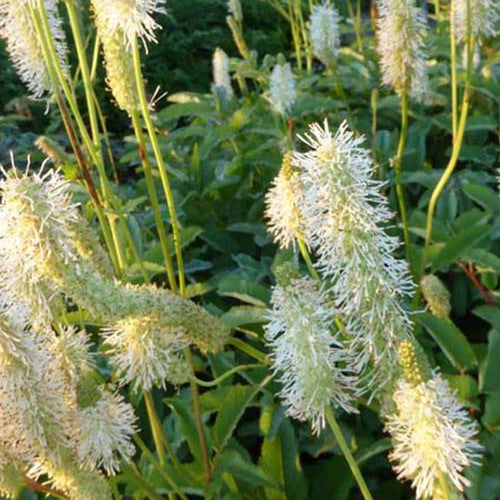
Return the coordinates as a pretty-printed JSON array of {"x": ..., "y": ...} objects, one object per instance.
[
  {"x": 313, "y": 364},
  {"x": 401, "y": 29},
  {"x": 484, "y": 15},
  {"x": 25, "y": 50},
  {"x": 325, "y": 34}
]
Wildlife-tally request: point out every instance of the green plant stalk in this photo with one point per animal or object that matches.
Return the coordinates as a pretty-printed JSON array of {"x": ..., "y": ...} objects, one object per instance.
[
  {"x": 443, "y": 482},
  {"x": 161, "y": 165},
  {"x": 356, "y": 22},
  {"x": 44, "y": 34},
  {"x": 228, "y": 374},
  {"x": 455, "y": 151},
  {"x": 151, "y": 493},
  {"x": 453, "y": 56},
  {"x": 306, "y": 257},
  {"x": 153, "y": 197},
  {"x": 398, "y": 163},
  {"x": 249, "y": 350},
  {"x": 161, "y": 470},
  {"x": 156, "y": 427},
  {"x": 197, "y": 414},
  {"x": 337, "y": 432},
  {"x": 374, "y": 115},
  {"x": 305, "y": 35},
  {"x": 295, "y": 35}
]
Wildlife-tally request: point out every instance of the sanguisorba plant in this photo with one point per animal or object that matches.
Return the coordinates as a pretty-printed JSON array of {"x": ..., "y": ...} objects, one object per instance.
[{"x": 338, "y": 335}]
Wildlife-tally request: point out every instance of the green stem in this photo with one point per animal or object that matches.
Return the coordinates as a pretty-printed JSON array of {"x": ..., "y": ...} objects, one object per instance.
[
  {"x": 445, "y": 488},
  {"x": 198, "y": 417},
  {"x": 151, "y": 493},
  {"x": 228, "y": 374},
  {"x": 156, "y": 427},
  {"x": 453, "y": 159},
  {"x": 337, "y": 432},
  {"x": 398, "y": 162},
  {"x": 453, "y": 55},
  {"x": 161, "y": 164},
  {"x": 249, "y": 350},
  {"x": 307, "y": 257},
  {"x": 153, "y": 197}
]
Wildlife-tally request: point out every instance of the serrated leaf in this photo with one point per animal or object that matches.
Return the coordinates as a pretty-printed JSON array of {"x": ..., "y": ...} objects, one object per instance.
[
  {"x": 451, "y": 340},
  {"x": 459, "y": 245}
]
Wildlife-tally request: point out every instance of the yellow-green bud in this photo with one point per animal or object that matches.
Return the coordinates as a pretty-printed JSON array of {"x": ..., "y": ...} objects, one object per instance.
[
  {"x": 436, "y": 295},
  {"x": 412, "y": 360}
]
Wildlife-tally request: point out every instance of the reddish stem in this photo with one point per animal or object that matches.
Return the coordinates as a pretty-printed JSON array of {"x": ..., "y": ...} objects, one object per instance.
[{"x": 469, "y": 271}]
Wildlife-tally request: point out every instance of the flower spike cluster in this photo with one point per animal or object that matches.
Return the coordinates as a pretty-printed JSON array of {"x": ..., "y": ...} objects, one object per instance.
[
  {"x": 25, "y": 50},
  {"x": 484, "y": 15},
  {"x": 400, "y": 44},
  {"x": 282, "y": 88},
  {"x": 222, "y": 77},
  {"x": 313, "y": 364},
  {"x": 325, "y": 35},
  {"x": 343, "y": 213}
]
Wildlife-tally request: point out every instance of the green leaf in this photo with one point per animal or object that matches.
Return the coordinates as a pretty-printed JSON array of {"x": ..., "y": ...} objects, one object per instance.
[
  {"x": 244, "y": 290},
  {"x": 490, "y": 374},
  {"x": 197, "y": 289},
  {"x": 491, "y": 418},
  {"x": 491, "y": 314},
  {"x": 451, "y": 340},
  {"x": 484, "y": 196},
  {"x": 233, "y": 404},
  {"x": 244, "y": 315},
  {"x": 488, "y": 261},
  {"x": 459, "y": 245}
]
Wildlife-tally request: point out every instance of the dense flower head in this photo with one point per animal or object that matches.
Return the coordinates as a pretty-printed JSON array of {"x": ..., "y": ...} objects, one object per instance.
[
  {"x": 344, "y": 215},
  {"x": 129, "y": 18},
  {"x": 313, "y": 365},
  {"x": 11, "y": 474},
  {"x": 432, "y": 433},
  {"x": 325, "y": 35},
  {"x": 222, "y": 77},
  {"x": 436, "y": 295},
  {"x": 400, "y": 44},
  {"x": 484, "y": 15},
  {"x": 282, "y": 88},
  {"x": 146, "y": 352},
  {"x": 103, "y": 432},
  {"x": 282, "y": 209},
  {"x": 25, "y": 50}
]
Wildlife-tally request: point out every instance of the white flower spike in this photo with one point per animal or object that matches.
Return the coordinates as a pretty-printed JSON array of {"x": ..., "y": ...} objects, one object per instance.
[
  {"x": 325, "y": 35},
  {"x": 222, "y": 77},
  {"x": 283, "y": 93},
  {"x": 484, "y": 16}
]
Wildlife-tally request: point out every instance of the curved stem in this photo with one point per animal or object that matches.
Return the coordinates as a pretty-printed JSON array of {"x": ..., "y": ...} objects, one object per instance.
[
  {"x": 249, "y": 350},
  {"x": 337, "y": 432},
  {"x": 307, "y": 257},
  {"x": 226, "y": 375},
  {"x": 397, "y": 171}
]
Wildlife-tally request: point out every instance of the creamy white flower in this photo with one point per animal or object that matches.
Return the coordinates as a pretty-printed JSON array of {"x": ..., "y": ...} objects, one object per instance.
[
  {"x": 325, "y": 35},
  {"x": 146, "y": 352},
  {"x": 25, "y": 50},
  {"x": 222, "y": 77},
  {"x": 313, "y": 365},
  {"x": 282, "y": 88},
  {"x": 431, "y": 433},
  {"x": 343, "y": 214},
  {"x": 483, "y": 17},
  {"x": 401, "y": 29},
  {"x": 130, "y": 18},
  {"x": 103, "y": 432},
  {"x": 281, "y": 206},
  {"x": 11, "y": 474}
]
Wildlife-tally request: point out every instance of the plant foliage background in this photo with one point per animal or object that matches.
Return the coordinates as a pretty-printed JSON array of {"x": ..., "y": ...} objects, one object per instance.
[{"x": 222, "y": 157}]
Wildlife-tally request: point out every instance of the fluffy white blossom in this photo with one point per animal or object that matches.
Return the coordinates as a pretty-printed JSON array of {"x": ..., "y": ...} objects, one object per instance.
[
  {"x": 103, "y": 432},
  {"x": 222, "y": 77},
  {"x": 146, "y": 352},
  {"x": 282, "y": 88},
  {"x": 313, "y": 365},
  {"x": 25, "y": 50},
  {"x": 325, "y": 35},
  {"x": 483, "y": 17},
  {"x": 431, "y": 432},
  {"x": 344, "y": 214},
  {"x": 400, "y": 44},
  {"x": 281, "y": 206},
  {"x": 130, "y": 18}
]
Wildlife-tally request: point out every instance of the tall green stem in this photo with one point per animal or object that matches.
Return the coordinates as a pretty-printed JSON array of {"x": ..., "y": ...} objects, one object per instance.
[
  {"x": 153, "y": 197},
  {"x": 161, "y": 164},
  {"x": 453, "y": 55},
  {"x": 156, "y": 427},
  {"x": 337, "y": 432},
  {"x": 398, "y": 163}
]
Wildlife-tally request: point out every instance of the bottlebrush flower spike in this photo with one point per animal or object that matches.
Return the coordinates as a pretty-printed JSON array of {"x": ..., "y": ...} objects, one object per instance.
[
  {"x": 103, "y": 431},
  {"x": 222, "y": 77},
  {"x": 130, "y": 18},
  {"x": 432, "y": 433},
  {"x": 25, "y": 50},
  {"x": 484, "y": 16},
  {"x": 325, "y": 35},
  {"x": 314, "y": 366},
  {"x": 401, "y": 29},
  {"x": 281, "y": 205},
  {"x": 342, "y": 212},
  {"x": 282, "y": 88}
]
